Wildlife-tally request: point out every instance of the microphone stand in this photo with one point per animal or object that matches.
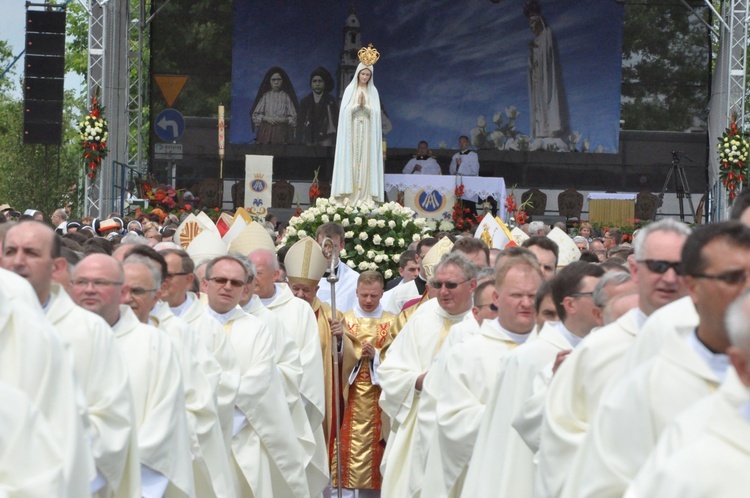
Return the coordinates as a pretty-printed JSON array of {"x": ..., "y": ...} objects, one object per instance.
[{"x": 329, "y": 249}]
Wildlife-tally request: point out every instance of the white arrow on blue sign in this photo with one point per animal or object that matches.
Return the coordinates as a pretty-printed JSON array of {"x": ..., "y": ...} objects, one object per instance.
[{"x": 170, "y": 125}]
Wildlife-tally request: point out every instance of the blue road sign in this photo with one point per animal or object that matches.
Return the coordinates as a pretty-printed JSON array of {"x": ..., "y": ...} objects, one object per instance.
[{"x": 169, "y": 125}]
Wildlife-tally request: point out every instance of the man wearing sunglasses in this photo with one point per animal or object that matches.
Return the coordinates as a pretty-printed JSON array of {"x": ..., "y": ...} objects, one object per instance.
[
  {"x": 261, "y": 412},
  {"x": 410, "y": 357},
  {"x": 581, "y": 379},
  {"x": 690, "y": 365},
  {"x": 287, "y": 359},
  {"x": 186, "y": 305},
  {"x": 499, "y": 446}
]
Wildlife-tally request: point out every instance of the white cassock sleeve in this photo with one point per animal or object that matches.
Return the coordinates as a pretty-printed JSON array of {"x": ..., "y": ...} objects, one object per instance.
[{"x": 31, "y": 463}]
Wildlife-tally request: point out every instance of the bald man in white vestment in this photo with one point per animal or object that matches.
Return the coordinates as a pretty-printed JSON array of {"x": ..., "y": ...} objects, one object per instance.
[
  {"x": 502, "y": 464},
  {"x": 225, "y": 378},
  {"x": 155, "y": 379},
  {"x": 706, "y": 452},
  {"x": 289, "y": 366},
  {"x": 267, "y": 458},
  {"x": 31, "y": 463},
  {"x": 33, "y": 359},
  {"x": 147, "y": 275},
  {"x": 32, "y": 249},
  {"x": 576, "y": 389},
  {"x": 409, "y": 360},
  {"x": 299, "y": 319},
  {"x": 690, "y": 365},
  {"x": 210, "y": 459}
]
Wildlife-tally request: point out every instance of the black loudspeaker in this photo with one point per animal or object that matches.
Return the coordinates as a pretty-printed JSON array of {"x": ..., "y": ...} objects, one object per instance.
[{"x": 44, "y": 76}]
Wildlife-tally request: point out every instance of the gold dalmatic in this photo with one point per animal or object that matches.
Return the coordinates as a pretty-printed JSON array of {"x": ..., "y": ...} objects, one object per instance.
[{"x": 362, "y": 444}]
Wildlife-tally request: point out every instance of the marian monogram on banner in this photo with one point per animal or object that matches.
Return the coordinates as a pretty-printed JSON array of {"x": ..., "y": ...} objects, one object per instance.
[{"x": 258, "y": 180}]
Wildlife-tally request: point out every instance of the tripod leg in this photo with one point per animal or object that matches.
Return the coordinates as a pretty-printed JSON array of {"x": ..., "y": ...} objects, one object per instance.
[{"x": 686, "y": 188}]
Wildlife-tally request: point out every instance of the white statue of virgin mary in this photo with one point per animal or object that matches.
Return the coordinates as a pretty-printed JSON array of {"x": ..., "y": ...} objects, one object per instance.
[{"x": 358, "y": 163}]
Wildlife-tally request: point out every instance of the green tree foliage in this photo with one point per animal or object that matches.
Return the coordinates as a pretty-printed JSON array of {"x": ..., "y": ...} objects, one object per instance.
[
  {"x": 194, "y": 39},
  {"x": 36, "y": 176},
  {"x": 77, "y": 31},
  {"x": 666, "y": 61}
]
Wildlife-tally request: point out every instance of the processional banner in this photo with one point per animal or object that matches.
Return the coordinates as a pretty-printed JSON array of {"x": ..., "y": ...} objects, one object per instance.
[
  {"x": 512, "y": 75},
  {"x": 258, "y": 180}
]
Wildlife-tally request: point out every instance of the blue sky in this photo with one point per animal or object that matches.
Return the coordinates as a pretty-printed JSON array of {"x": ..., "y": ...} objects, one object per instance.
[
  {"x": 13, "y": 30},
  {"x": 443, "y": 62}
]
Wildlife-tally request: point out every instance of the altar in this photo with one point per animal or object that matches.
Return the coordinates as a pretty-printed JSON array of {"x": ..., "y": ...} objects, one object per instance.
[
  {"x": 432, "y": 196},
  {"x": 612, "y": 208}
]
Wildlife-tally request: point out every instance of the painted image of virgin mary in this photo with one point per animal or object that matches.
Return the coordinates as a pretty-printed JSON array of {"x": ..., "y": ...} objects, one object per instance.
[
  {"x": 274, "y": 112},
  {"x": 548, "y": 102}
]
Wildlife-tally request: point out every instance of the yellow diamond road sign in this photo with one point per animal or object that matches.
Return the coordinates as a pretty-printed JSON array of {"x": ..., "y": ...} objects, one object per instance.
[{"x": 170, "y": 86}]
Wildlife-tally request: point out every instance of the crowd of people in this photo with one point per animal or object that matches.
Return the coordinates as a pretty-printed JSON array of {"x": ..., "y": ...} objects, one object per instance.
[{"x": 130, "y": 368}]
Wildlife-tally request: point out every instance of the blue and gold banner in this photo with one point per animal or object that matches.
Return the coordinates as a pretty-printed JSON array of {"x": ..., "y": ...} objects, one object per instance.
[{"x": 258, "y": 180}]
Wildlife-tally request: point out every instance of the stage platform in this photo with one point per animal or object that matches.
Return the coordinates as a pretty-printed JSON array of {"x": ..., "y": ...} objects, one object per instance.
[{"x": 643, "y": 162}]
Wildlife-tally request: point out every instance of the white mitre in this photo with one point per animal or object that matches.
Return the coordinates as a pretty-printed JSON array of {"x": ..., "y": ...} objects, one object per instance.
[
  {"x": 567, "y": 249},
  {"x": 434, "y": 255},
  {"x": 305, "y": 263},
  {"x": 252, "y": 237}
]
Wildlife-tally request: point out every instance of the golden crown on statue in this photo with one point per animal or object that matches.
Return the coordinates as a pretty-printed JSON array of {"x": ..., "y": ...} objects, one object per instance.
[{"x": 368, "y": 55}]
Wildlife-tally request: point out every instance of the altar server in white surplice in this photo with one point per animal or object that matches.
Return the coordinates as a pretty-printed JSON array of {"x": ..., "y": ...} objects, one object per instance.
[
  {"x": 225, "y": 376},
  {"x": 33, "y": 250},
  {"x": 346, "y": 287},
  {"x": 31, "y": 463},
  {"x": 410, "y": 359},
  {"x": 211, "y": 470},
  {"x": 472, "y": 369},
  {"x": 155, "y": 378},
  {"x": 267, "y": 458},
  {"x": 416, "y": 287},
  {"x": 576, "y": 389},
  {"x": 502, "y": 464},
  {"x": 33, "y": 359},
  {"x": 711, "y": 453},
  {"x": 690, "y": 365}
]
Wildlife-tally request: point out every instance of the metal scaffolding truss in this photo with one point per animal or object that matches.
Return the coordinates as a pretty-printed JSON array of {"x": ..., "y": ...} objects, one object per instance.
[
  {"x": 729, "y": 92},
  {"x": 108, "y": 75},
  {"x": 138, "y": 43}
]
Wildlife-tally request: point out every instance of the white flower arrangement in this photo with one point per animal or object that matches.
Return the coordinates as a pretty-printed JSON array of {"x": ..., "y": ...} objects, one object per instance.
[{"x": 375, "y": 235}]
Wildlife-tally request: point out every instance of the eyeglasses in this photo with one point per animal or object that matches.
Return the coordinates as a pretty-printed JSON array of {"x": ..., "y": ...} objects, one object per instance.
[
  {"x": 661, "y": 267},
  {"x": 491, "y": 305},
  {"x": 140, "y": 291},
  {"x": 582, "y": 294},
  {"x": 222, "y": 281},
  {"x": 98, "y": 284},
  {"x": 448, "y": 285},
  {"x": 180, "y": 274},
  {"x": 733, "y": 277}
]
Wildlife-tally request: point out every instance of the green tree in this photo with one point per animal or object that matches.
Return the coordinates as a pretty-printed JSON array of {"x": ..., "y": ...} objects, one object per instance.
[
  {"x": 666, "y": 62},
  {"x": 36, "y": 176}
]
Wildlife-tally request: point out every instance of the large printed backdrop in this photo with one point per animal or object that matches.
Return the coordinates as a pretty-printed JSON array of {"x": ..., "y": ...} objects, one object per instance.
[{"x": 447, "y": 68}]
